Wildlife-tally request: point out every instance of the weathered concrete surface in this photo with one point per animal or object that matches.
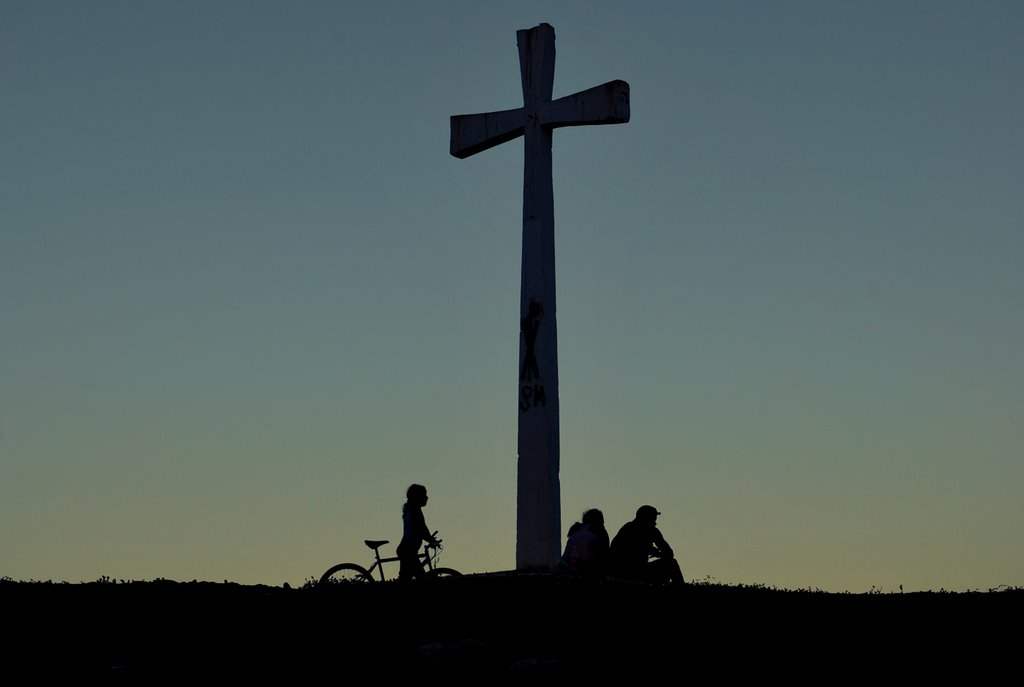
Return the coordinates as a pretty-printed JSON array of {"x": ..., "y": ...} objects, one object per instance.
[{"x": 538, "y": 514}]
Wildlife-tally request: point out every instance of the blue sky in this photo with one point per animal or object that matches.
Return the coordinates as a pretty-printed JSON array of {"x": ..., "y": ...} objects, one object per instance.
[{"x": 247, "y": 297}]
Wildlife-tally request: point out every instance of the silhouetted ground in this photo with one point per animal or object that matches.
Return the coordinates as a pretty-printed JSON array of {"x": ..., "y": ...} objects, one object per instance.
[{"x": 491, "y": 626}]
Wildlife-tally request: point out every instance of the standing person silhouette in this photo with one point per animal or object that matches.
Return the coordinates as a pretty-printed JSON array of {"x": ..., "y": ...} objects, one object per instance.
[{"x": 414, "y": 532}]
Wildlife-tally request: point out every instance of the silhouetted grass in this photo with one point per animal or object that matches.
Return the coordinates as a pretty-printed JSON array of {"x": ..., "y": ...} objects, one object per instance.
[{"x": 493, "y": 626}]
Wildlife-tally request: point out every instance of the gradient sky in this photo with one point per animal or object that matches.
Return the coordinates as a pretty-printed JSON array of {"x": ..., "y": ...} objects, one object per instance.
[{"x": 247, "y": 297}]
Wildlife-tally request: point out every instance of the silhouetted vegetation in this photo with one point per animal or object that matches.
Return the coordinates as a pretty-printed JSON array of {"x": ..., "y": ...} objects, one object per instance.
[{"x": 496, "y": 625}]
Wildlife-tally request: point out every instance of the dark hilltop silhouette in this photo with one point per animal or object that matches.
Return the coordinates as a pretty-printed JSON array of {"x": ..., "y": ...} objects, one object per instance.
[{"x": 493, "y": 626}]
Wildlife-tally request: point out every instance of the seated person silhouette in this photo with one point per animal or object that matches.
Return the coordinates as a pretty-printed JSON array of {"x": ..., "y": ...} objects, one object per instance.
[
  {"x": 636, "y": 541},
  {"x": 414, "y": 533},
  {"x": 586, "y": 549}
]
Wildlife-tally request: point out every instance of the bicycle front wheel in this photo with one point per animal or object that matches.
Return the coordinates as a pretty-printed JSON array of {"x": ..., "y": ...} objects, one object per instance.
[
  {"x": 346, "y": 573},
  {"x": 444, "y": 572}
]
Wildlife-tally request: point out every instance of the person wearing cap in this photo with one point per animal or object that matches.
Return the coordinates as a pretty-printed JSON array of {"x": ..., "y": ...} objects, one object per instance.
[{"x": 638, "y": 540}]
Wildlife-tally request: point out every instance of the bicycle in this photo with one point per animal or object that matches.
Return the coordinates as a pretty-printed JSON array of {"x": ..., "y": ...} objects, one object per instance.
[{"x": 352, "y": 572}]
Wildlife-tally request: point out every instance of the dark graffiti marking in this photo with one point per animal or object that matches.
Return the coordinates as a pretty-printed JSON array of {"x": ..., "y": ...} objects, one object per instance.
[
  {"x": 531, "y": 397},
  {"x": 529, "y": 326}
]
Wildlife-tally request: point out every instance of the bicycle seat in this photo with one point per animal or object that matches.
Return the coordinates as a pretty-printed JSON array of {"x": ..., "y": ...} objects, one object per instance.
[{"x": 374, "y": 544}]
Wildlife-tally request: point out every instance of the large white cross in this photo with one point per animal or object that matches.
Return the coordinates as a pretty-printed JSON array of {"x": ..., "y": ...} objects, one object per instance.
[{"x": 538, "y": 512}]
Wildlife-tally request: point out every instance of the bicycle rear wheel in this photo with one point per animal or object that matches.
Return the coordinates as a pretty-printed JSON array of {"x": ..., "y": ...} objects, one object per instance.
[
  {"x": 346, "y": 573},
  {"x": 444, "y": 572}
]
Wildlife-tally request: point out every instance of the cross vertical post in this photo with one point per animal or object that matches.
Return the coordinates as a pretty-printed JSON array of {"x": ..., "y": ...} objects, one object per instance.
[
  {"x": 538, "y": 491},
  {"x": 538, "y": 511}
]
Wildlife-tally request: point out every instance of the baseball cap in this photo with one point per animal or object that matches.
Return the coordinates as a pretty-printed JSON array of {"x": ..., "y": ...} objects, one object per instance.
[{"x": 647, "y": 512}]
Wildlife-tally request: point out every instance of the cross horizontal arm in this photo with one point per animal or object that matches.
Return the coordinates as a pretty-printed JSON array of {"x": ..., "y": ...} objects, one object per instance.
[
  {"x": 475, "y": 133},
  {"x": 604, "y": 104}
]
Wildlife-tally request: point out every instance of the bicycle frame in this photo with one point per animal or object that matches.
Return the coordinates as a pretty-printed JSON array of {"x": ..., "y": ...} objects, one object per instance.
[{"x": 427, "y": 556}]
